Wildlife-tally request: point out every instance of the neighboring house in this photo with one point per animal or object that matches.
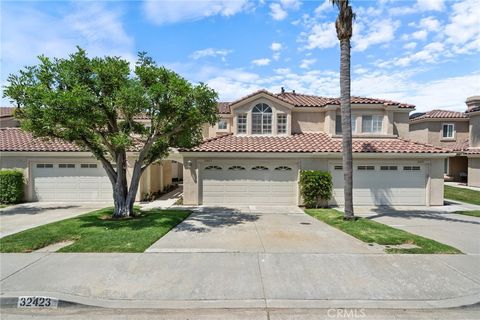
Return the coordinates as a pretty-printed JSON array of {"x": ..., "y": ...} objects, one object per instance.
[
  {"x": 56, "y": 170},
  {"x": 7, "y": 119},
  {"x": 254, "y": 154},
  {"x": 456, "y": 131}
]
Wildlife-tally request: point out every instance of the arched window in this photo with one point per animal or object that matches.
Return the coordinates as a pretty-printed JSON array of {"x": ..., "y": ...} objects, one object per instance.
[
  {"x": 262, "y": 119},
  {"x": 283, "y": 168},
  {"x": 236, "y": 168},
  {"x": 213, "y": 168},
  {"x": 260, "y": 168}
]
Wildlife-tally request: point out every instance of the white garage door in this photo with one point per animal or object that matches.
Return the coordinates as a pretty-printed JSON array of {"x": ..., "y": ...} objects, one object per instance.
[
  {"x": 382, "y": 184},
  {"x": 249, "y": 183},
  {"x": 70, "y": 181}
]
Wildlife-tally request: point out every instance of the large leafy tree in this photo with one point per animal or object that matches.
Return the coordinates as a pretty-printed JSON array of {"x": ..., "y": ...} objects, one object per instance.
[
  {"x": 98, "y": 104},
  {"x": 343, "y": 26}
]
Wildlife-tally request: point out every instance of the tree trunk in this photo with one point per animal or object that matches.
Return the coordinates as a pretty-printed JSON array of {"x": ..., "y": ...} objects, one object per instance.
[
  {"x": 345, "y": 103},
  {"x": 123, "y": 205}
]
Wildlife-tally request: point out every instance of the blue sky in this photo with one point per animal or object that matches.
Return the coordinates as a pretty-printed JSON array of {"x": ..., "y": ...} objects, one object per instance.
[{"x": 424, "y": 52}]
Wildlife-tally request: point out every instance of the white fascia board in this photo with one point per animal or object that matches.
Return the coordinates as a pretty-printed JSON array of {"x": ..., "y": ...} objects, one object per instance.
[
  {"x": 59, "y": 154},
  {"x": 311, "y": 155}
]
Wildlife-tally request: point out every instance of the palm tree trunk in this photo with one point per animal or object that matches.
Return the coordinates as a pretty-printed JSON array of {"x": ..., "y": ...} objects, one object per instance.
[{"x": 345, "y": 103}]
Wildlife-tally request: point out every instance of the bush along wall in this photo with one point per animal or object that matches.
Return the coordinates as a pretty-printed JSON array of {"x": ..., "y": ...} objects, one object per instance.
[
  {"x": 11, "y": 186},
  {"x": 315, "y": 187}
]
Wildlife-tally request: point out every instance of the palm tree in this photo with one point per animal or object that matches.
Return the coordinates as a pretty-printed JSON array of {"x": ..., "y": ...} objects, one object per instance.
[{"x": 344, "y": 34}]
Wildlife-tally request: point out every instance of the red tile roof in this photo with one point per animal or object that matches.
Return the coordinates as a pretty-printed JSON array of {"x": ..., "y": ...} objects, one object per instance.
[
  {"x": 308, "y": 143},
  {"x": 439, "y": 114},
  {"x": 15, "y": 139},
  {"x": 459, "y": 146},
  {"x": 6, "y": 112},
  {"x": 474, "y": 109},
  {"x": 311, "y": 101}
]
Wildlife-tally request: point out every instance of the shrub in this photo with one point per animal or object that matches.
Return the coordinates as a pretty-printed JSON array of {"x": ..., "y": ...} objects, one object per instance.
[
  {"x": 11, "y": 186},
  {"x": 315, "y": 186}
]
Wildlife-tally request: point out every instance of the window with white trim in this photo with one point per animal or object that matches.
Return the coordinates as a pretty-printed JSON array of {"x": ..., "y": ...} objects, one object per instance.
[
  {"x": 66, "y": 165},
  {"x": 338, "y": 124},
  {"x": 88, "y": 165},
  {"x": 213, "y": 168},
  {"x": 281, "y": 123},
  {"x": 372, "y": 124},
  {"x": 236, "y": 168},
  {"x": 367, "y": 168},
  {"x": 445, "y": 166},
  {"x": 222, "y": 124},
  {"x": 262, "y": 119},
  {"x": 242, "y": 123},
  {"x": 260, "y": 168},
  {"x": 44, "y": 165},
  {"x": 448, "y": 130}
]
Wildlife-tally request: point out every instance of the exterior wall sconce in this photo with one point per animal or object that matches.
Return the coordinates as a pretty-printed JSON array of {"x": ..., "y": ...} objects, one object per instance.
[{"x": 188, "y": 164}]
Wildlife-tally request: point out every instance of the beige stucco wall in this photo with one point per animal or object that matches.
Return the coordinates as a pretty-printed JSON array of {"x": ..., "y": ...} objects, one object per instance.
[
  {"x": 190, "y": 182},
  {"x": 435, "y": 183},
  {"x": 400, "y": 124},
  {"x": 474, "y": 172},
  {"x": 474, "y": 136},
  {"x": 9, "y": 122},
  {"x": 307, "y": 122},
  {"x": 431, "y": 132},
  {"x": 213, "y": 131}
]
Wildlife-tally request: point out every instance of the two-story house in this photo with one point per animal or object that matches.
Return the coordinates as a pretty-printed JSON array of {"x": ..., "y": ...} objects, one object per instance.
[
  {"x": 458, "y": 132},
  {"x": 255, "y": 152}
]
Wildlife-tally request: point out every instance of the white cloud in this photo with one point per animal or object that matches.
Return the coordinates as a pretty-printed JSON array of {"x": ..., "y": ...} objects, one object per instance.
[
  {"x": 429, "y": 54},
  {"x": 321, "y": 36},
  {"x": 276, "y": 46},
  {"x": 463, "y": 31},
  {"x": 168, "y": 12},
  {"x": 420, "y": 35},
  {"x": 379, "y": 31},
  {"x": 290, "y": 4},
  {"x": 410, "y": 45},
  {"x": 210, "y": 52},
  {"x": 430, "y": 24},
  {"x": 28, "y": 32},
  {"x": 277, "y": 12},
  {"x": 325, "y": 6},
  {"x": 261, "y": 62},
  {"x": 431, "y": 5},
  {"x": 306, "y": 63}
]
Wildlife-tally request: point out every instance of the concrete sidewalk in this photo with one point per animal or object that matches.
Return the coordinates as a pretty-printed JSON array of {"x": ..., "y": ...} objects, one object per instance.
[{"x": 245, "y": 280}]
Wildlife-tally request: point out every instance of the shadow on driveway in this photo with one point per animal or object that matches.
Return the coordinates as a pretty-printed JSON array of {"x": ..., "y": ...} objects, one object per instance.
[{"x": 33, "y": 208}]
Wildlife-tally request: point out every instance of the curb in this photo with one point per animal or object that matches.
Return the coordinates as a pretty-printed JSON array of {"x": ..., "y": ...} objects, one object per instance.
[{"x": 9, "y": 300}]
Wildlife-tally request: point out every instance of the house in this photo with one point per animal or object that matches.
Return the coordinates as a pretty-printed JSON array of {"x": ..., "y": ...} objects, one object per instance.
[
  {"x": 254, "y": 153},
  {"x": 56, "y": 170},
  {"x": 458, "y": 132}
]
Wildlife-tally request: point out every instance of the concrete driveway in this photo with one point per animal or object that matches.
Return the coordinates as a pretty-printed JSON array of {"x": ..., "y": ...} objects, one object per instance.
[
  {"x": 437, "y": 223},
  {"x": 33, "y": 214},
  {"x": 257, "y": 229}
]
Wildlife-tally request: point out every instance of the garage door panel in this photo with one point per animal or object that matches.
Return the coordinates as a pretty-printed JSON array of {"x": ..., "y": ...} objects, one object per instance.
[
  {"x": 248, "y": 186},
  {"x": 377, "y": 187},
  {"x": 70, "y": 184}
]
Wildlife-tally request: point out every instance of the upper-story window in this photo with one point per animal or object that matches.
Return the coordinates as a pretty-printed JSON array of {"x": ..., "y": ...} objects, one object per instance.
[
  {"x": 338, "y": 124},
  {"x": 242, "y": 123},
  {"x": 372, "y": 124},
  {"x": 281, "y": 123},
  {"x": 448, "y": 131},
  {"x": 222, "y": 124},
  {"x": 262, "y": 119}
]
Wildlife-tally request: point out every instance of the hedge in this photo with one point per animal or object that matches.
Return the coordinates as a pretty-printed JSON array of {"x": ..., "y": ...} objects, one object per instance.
[
  {"x": 315, "y": 187},
  {"x": 11, "y": 186}
]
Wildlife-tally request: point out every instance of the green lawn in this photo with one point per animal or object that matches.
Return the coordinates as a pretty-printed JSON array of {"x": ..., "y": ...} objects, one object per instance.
[
  {"x": 4, "y": 205},
  {"x": 97, "y": 232},
  {"x": 370, "y": 231},
  {"x": 473, "y": 213},
  {"x": 462, "y": 194}
]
